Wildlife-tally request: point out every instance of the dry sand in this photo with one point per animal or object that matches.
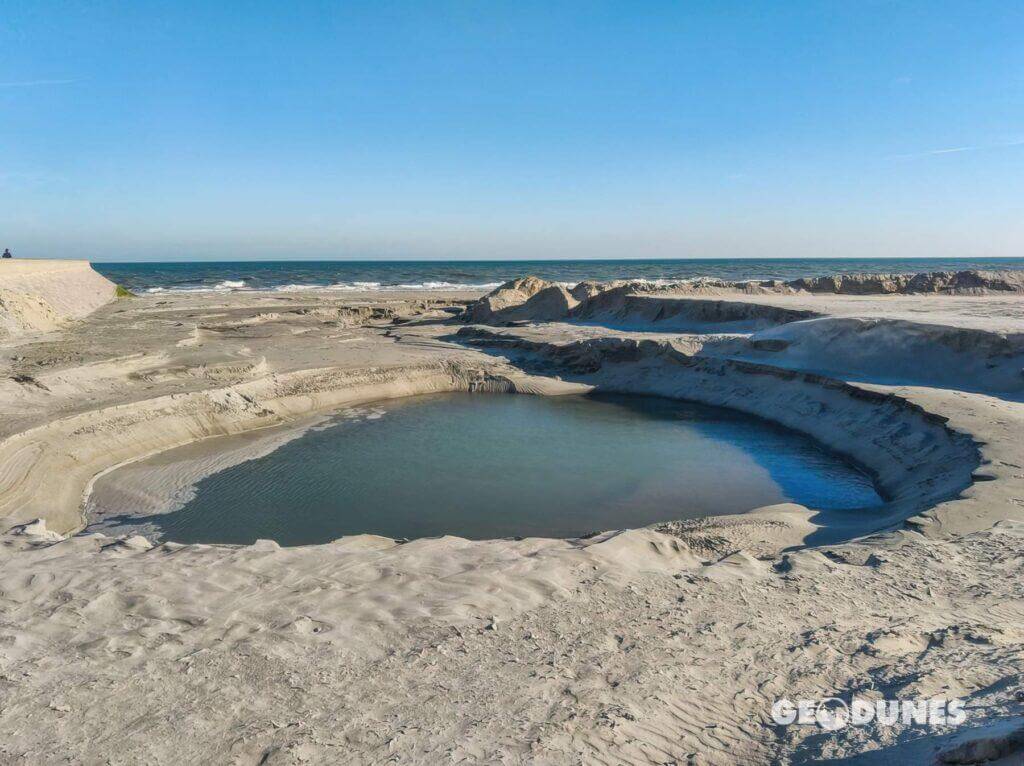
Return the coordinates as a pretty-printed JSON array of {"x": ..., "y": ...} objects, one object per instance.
[
  {"x": 40, "y": 296},
  {"x": 664, "y": 645}
]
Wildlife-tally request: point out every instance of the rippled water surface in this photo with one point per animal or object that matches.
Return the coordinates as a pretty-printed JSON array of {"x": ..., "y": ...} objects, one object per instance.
[{"x": 490, "y": 466}]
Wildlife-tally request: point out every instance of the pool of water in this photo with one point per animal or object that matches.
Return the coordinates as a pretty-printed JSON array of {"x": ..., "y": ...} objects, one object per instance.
[{"x": 492, "y": 466}]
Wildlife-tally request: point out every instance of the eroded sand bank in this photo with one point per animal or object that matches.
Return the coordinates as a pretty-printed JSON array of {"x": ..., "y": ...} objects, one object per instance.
[
  {"x": 41, "y": 296},
  {"x": 648, "y": 646}
]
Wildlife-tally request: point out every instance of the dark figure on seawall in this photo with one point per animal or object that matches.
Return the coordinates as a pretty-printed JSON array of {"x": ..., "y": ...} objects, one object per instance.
[{"x": 7, "y": 253}]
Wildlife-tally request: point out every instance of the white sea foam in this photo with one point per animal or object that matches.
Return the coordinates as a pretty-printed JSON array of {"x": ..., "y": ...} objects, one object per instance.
[
  {"x": 658, "y": 282},
  {"x": 194, "y": 289},
  {"x": 355, "y": 286},
  {"x": 221, "y": 287},
  {"x": 378, "y": 287},
  {"x": 443, "y": 286}
]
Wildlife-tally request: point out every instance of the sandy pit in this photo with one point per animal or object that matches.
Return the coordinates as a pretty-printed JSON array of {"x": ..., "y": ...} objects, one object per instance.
[{"x": 665, "y": 644}]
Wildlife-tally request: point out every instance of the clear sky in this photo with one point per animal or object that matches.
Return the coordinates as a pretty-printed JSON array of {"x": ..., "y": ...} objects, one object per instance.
[{"x": 158, "y": 130}]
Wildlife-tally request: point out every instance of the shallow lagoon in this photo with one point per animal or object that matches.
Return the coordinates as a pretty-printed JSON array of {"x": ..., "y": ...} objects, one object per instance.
[{"x": 490, "y": 466}]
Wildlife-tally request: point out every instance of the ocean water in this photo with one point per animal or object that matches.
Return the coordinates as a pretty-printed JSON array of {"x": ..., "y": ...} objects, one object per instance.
[
  {"x": 493, "y": 466},
  {"x": 485, "y": 275}
]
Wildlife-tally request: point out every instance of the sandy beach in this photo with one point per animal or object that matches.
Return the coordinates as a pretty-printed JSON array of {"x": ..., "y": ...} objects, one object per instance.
[{"x": 667, "y": 644}]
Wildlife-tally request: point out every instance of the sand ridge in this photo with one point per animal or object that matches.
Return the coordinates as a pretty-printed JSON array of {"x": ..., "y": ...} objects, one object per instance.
[{"x": 41, "y": 296}]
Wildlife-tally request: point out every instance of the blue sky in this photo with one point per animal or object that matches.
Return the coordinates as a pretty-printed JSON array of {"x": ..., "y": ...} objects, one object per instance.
[{"x": 165, "y": 130}]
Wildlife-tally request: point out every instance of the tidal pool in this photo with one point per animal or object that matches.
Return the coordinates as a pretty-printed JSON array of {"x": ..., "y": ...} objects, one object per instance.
[{"x": 491, "y": 466}]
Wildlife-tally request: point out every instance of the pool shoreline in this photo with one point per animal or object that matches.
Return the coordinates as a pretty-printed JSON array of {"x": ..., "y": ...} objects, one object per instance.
[{"x": 659, "y": 436}]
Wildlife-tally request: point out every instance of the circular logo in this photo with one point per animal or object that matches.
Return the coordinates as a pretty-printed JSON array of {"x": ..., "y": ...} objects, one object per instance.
[{"x": 832, "y": 714}]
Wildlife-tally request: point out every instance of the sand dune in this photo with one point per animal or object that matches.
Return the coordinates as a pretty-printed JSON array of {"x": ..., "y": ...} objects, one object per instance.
[{"x": 40, "y": 296}]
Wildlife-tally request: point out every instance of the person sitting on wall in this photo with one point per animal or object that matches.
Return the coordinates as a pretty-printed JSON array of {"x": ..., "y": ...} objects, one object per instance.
[{"x": 7, "y": 253}]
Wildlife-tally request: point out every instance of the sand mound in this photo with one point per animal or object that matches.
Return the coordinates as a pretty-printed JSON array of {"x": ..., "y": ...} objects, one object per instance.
[
  {"x": 952, "y": 282},
  {"x": 617, "y": 301},
  {"x": 549, "y": 305},
  {"x": 40, "y": 296},
  {"x": 623, "y": 307},
  {"x": 874, "y": 349},
  {"x": 513, "y": 293}
]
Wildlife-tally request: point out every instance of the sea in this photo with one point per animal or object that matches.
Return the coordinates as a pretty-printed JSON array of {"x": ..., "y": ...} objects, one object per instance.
[{"x": 297, "y": 275}]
